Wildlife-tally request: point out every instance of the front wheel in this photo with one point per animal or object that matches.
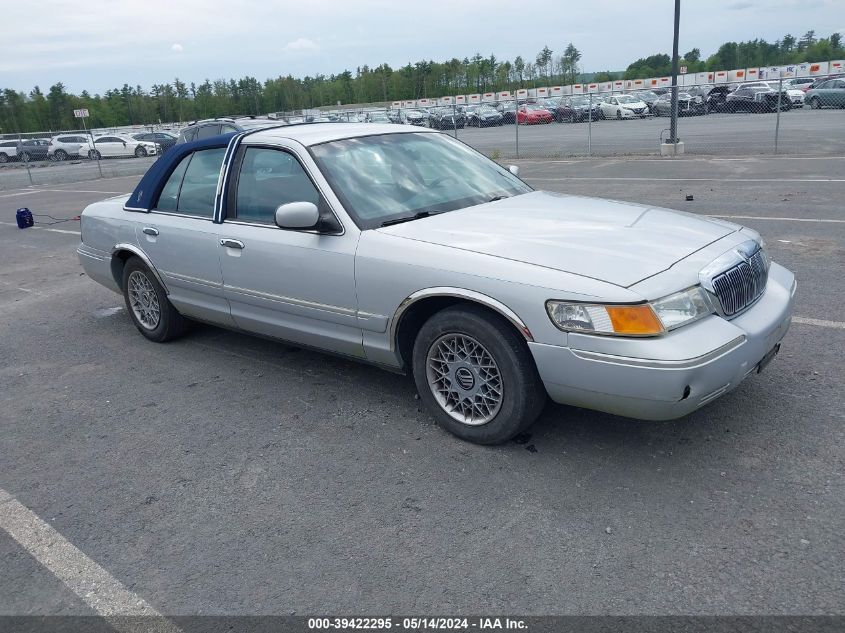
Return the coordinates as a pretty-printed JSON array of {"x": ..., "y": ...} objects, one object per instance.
[
  {"x": 140, "y": 152},
  {"x": 619, "y": 115},
  {"x": 148, "y": 305},
  {"x": 815, "y": 104},
  {"x": 94, "y": 154},
  {"x": 475, "y": 374}
]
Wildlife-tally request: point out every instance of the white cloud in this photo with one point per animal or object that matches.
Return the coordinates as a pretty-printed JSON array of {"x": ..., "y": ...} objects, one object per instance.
[
  {"x": 302, "y": 44},
  {"x": 177, "y": 48}
]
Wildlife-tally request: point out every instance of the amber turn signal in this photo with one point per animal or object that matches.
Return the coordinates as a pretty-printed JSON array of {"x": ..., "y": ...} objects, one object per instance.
[{"x": 636, "y": 320}]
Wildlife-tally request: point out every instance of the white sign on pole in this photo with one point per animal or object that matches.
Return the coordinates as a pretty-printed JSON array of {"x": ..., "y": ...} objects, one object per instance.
[
  {"x": 80, "y": 114},
  {"x": 683, "y": 70}
]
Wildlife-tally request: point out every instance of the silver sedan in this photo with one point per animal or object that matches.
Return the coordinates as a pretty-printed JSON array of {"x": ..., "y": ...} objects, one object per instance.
[{"x": 407, "y": 249}]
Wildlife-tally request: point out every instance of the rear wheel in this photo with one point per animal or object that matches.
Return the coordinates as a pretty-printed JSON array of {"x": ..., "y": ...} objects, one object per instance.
[
  {"x": 94, "y": 154},
  {"x": 619, "y": 115},
  {"x": 25, "y": 157},
  {"x": 476, "y": 376},
  {"x": 60, "y": 154},
  {"x": 148, "y": 305}
]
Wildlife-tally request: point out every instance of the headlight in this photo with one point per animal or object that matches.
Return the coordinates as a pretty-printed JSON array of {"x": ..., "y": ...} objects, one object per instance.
[
  {"x": 682, "y": 307},
  {"x": 617, "y": 320},
  {"x": 646, "y": 319}
]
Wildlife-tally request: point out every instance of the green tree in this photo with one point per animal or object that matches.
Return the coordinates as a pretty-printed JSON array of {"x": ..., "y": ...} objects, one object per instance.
[
  {"x": 519, "y": 69},
  {"x": 544, "y": 61}
]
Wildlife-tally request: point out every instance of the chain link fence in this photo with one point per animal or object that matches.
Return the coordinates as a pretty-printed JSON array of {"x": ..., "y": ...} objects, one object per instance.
[
  {"x": 789, "y": 117},
  {"x": 54, "y": 157}
]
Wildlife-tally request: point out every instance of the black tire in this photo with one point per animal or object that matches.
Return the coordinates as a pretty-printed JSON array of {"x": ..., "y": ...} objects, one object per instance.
[
  {"x": 170, "y": 323},
  {"x": 4, "y": 158},
  {"x": 522, "y": 393},
  {"x": 140, "y": 152},
  {"x": 25, "y": 157},
  {"x": 619, "y": 115},
  {"x": 60, "y": 154},
  {"x": 815, "y": 103},
  {"x": 94, "y": 154}
]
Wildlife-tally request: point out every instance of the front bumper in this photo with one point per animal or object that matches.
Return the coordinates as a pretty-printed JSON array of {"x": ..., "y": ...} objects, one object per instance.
[{"x": 672, "y": 375}]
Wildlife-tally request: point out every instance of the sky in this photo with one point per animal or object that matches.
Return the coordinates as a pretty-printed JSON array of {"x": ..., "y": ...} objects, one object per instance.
[{"x": 96, "y": 45}]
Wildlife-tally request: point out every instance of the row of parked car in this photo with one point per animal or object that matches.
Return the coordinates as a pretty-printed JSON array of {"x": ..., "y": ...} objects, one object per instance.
[
  {"x": 75, "y": 145},
  {"x": 757, "y": 96}
]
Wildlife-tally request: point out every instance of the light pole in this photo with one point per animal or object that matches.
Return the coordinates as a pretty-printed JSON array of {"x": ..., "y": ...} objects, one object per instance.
[{"x": 673, "y": 125}]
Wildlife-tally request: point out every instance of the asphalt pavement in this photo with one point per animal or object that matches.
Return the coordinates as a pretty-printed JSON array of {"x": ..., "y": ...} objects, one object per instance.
[{"x": 224, "y": 474}]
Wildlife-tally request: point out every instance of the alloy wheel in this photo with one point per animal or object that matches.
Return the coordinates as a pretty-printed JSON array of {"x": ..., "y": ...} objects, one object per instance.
[
  {"x": 464, "y": 379},
  {"x": 143, "y": 300}
]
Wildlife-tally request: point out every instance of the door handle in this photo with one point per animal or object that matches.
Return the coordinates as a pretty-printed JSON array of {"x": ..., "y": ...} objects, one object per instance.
[
  {"x": 148, "y": 230},
  {"x": 228, "y": 243}
]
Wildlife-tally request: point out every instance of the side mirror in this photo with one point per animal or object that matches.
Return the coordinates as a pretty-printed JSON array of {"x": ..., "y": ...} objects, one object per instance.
[
  {"x": 514, "y": 169},
  {"x": 297, "y": 215}
]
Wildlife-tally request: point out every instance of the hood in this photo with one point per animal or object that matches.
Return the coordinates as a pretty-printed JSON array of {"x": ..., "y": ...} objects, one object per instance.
[{"x": 617, "y": 242}]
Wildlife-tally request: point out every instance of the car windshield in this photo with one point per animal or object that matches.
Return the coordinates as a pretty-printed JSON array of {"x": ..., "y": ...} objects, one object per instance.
[
  {"x": 627, "y": 99},
  {"x": 487, "y": 110},
  {"x": 533, "y": 107},
  {"x": 391, "y": 177},
  {"x": 580, "y": 101},
  {"x": 648, "y": 95}
]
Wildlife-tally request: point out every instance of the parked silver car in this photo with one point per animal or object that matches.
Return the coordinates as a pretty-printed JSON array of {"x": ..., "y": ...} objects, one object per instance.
[{"x": 407, "y": 249}]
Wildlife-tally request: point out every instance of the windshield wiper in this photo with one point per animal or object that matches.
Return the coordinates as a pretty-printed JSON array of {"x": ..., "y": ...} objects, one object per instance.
[
  {"x": 496, "y": 198},
  {"x": 416, "y": 216}
]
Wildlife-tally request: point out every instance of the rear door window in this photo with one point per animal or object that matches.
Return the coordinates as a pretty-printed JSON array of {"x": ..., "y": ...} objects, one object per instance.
[
  {"x": 168, "y": 199},
  {"x": 199, "y": 186}
]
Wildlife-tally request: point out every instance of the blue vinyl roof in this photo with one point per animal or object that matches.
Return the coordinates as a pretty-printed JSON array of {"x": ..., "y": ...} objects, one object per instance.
[{"x": 147, "y": 191}]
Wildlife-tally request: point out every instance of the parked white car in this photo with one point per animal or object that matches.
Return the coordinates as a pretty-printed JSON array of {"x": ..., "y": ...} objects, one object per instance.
[
  {"x": 114, "y": 145},
  {"x": 8, "y": 150},
  {"x": 795, "y": 94},
  {"x": 624, "y": 107},
  {"x": 67, "y": 146}
]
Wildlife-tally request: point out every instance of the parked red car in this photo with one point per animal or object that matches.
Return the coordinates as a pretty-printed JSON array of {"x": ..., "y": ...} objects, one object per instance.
[{"x": 531, "y": 114}]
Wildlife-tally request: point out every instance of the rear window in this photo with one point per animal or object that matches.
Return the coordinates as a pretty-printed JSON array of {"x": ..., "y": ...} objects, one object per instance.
[
  {"x": 207, "y": 131},
  {"x": 187, "y": 135}
]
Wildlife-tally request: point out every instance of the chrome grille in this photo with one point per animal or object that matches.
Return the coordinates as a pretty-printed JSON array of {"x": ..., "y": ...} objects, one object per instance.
[{"x": 740, "y": 286}]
